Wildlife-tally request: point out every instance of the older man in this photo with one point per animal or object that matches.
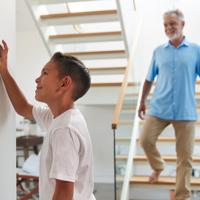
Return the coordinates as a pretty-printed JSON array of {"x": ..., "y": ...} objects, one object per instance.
[{"x": 176, "y": 65}]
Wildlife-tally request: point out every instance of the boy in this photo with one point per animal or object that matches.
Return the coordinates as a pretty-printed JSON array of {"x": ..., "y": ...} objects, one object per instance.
[{"x": 66, "y": 155}]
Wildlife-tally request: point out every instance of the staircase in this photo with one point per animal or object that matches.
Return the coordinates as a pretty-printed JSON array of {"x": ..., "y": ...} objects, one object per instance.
[
  {"x": 91, "y": 30},
  {"x": 139, "y": 187}
]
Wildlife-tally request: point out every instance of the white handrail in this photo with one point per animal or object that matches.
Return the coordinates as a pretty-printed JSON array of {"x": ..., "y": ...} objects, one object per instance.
[
  {"x": 132, "y": 152},
  {"x": 132, "y": 147}
]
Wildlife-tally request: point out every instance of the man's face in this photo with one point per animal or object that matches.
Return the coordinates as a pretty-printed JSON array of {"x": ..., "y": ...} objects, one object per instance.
[
  {"x": 173, "y": 26},
  {"x": 48, "y": 83}
]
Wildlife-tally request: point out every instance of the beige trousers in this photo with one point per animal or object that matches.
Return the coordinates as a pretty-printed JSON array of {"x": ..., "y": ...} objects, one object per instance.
[{"x": 184, "y": 131}]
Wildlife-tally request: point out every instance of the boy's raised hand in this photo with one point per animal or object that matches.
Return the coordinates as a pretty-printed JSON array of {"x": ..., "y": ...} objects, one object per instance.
[{"x": 3, "y": 56}]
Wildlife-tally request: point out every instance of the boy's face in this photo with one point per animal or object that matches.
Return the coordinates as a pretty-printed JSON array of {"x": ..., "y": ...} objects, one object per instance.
[{"x": 48, "y": 83}]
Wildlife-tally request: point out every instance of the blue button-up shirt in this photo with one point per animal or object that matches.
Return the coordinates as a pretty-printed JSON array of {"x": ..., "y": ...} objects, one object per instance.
[{"x": 176, "y": 70}]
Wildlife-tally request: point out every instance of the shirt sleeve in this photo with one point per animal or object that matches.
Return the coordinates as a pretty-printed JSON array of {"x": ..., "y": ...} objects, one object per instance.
[
  {"x": 42, "y": 116},
  {"x": 65, "y": 155},
  {"x": 153, "y": 69}
]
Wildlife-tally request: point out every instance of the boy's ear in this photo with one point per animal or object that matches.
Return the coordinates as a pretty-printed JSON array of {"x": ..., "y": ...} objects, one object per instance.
[{"x": 67, "y": 81}]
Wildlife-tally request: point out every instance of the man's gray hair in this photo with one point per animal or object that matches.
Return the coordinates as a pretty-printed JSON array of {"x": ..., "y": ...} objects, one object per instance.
[{"x": 177, "y": 12}]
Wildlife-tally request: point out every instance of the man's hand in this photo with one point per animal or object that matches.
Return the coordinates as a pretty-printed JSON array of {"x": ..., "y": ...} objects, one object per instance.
[
  {"x": 142, "y": 110},
  {"x": 3, "y": 56}
]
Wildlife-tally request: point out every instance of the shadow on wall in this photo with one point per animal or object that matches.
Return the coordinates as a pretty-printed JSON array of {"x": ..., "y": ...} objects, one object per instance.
[{"x": 4, "y": 104}]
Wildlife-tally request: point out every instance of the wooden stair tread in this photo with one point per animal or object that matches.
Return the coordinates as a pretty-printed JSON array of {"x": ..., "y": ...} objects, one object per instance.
[
  {"x": 126, "y": 122},
  {"x": 78, "y": 14},
  {"x": 132, "y": 94},
  {"x": 92, "y": 69},
  {"x": 166, "y": 158},
  {"x": 161, "y": 181},
  {"x": 170, "y": 139},
  {"x": 121, "y": 157},
  {"x": 77, "y": 35},
  {"x": 110, "y": 84},
  {"x": 142, "y": 122},
  {"x": 123, "y": 138},
  {"x": 96, "y": 52},
  {"x": 141, "y": 158},
  {"x": 47, "y": 2}
]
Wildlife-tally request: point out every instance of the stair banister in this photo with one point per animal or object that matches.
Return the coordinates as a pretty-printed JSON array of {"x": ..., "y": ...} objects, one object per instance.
[
  {"x": 132, "y": 151},
  {"x": 116, "y": 116}
]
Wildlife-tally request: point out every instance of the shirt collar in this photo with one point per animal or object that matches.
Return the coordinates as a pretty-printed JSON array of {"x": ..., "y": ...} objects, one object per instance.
[{"x": 185, "y": 42}]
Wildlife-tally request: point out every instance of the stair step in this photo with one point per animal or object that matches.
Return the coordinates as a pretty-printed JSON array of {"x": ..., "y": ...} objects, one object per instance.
[
  {"x": 141, "y": 158},
  {"x": 99, "y": 54},
  {"x": 85, "y": 37},
  {"x": 79, "y": 17},
  {"x": 161, "y": 139},
  {"x": 170, "y": 139},
  {"x": 126, "y": 122},
  {"x": 162, "y": 181},
  {"x": 142, "y": 122},
  {"x": 166, "y": 159},
  {"x": 132, "y": 94},
  {"x": 121, "y": 157},
  {"x": 46, "y": 2},
  {"x": 165, "y": 150},
  {"x": 111, "y": 84},
  {"x": 123, "y": 139},
  {"x": 126, "y": 111},
  {"x": 107, "y": 70},
  {"x": 165, "y": 181}
]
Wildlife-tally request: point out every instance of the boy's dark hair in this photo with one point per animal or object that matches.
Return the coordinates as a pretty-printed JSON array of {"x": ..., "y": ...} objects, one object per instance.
[{"x": 73, "y": 67}]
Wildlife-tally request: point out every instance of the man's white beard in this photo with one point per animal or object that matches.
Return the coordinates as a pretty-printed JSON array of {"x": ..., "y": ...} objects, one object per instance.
[{"x": 175, "y": 36}]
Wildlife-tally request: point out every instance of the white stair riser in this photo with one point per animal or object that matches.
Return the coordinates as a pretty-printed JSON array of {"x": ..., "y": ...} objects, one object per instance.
[
  {"x": 141, "y": 193},
  {"x": 143, "y": 168},
  {"x": 127, "y": 116},
  {"x": 110, "y": 72},
  {"x": 124, "y": 131},
  {"x": 101, "y": 56},
  {"x": 169, "y": 131}
]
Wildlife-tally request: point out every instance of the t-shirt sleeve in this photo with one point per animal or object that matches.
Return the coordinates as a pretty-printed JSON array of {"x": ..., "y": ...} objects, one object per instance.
[
  {"x": 65, "y": 160},
  {"x": 153, "y": 69},
  {"x": 42, "y": 116}
]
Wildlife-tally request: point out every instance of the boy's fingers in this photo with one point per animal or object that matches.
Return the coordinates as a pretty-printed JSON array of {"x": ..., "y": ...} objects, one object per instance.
[
  {"x": 5, "y": 45},
  {"x": 1, "y": 49}
]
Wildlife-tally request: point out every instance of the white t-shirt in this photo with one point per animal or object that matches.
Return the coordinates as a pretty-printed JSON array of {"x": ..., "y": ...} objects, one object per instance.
[{"x": 66, "y": 153}]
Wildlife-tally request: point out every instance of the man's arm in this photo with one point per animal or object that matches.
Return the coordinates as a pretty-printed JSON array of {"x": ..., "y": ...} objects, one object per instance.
[
  {"x": 19, "y": 102},
  {"x": 64, "y": 190},
  {"x": 146, "y": 89}
]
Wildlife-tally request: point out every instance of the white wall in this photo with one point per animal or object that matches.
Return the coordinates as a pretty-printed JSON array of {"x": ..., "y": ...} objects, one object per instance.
[
  {"x": 99, "y": 119},
  {"x": 7, "y": 118},
  {"x": 153, "y": 34}
]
